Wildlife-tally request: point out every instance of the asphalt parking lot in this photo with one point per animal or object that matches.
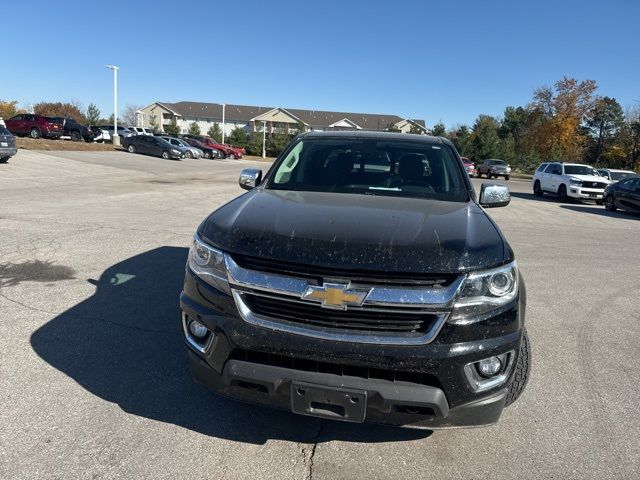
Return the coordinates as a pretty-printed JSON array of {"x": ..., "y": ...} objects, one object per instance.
[{"x": 93, "y": 375}]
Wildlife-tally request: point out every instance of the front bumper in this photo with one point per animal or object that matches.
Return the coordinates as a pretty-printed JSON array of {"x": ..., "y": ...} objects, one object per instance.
[
  {"x": 586, "y": 193},
  {"x": 419, "y": 386},
  {"x": 8, "y": 151}
]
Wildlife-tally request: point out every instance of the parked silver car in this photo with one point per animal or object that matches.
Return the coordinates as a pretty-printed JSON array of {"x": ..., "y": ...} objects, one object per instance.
[
  {"x": 141, "y": 130},
  {"x": 189, "y": 152}
]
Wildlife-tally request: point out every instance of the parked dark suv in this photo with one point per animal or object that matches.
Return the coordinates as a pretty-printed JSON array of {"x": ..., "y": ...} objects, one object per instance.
[
  {"x": 75, "y": 130},
  {"x": 35, "y": 126},
  {"x": 360, "y": 280}
]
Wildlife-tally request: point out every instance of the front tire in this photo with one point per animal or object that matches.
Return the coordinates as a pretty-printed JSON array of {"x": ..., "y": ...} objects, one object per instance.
[
  {"x": 206, "y": 155},
  {"x": 610, "y": 204},
  {"x": 75, "y": 136},
  {"x": 188, "y": 154},
  {"x": 131, "y": 149},
  {"x": 521, "y": 373},
  {"x": 34, "y": 133},
  {"x": 4, "y": 159},
  {"x": 562, "y": 193},
  {"x": 165, "y": 155}
]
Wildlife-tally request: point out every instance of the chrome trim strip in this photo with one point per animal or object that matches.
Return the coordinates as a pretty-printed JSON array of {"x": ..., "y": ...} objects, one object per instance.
[
  {"x": 441, "y": 297},
  {"x": 334, "y": 334}
]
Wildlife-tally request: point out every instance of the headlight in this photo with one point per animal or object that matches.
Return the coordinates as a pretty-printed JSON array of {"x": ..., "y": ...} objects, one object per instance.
[
  {"x": 208, "y": 263},
  {"x": 486, "y": 290},
  {"x": 575, "y": 182}
]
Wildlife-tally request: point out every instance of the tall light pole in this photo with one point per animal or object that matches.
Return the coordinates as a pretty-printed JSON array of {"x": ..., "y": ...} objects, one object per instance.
[
  {"x": 115, "y": 138},
  {"x": 223, "y": 108},
  {"x": 264, "y": 139}
]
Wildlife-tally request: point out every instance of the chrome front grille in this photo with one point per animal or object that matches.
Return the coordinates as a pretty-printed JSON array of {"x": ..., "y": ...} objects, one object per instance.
[{"x": 389, "y": 314}]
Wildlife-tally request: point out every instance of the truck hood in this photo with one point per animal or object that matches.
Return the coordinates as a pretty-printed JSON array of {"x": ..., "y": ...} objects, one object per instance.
[
  {"x": 359, "y": 232},
  {"x": 589, "y": 178}
]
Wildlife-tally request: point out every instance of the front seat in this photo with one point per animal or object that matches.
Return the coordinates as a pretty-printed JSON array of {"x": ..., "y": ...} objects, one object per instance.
[
  {"x": 410, "y": 171},
  {"x": 338, "y": 171}
]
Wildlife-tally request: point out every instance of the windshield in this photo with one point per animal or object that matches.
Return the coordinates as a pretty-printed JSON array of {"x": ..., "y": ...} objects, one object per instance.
[
  {"x": 580, "y": 170},
  {"x": 373, "y": 167},
  {"x": 497, "y": 162},
  {"x": 620, "y": 175}
]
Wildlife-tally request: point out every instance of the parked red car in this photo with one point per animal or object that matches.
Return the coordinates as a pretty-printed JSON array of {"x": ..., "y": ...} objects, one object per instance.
[
  {"x": 35, "y": 126},
  {"x": 227, "y": 150},
  {"x": 469, "y": 166}
]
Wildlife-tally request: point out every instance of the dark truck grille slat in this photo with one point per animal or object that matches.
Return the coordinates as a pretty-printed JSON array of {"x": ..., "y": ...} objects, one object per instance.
[
  {"x": 363, "y": 319},
  {"x": 317, "y": 272},
  {"x": 593, "y": 185}
]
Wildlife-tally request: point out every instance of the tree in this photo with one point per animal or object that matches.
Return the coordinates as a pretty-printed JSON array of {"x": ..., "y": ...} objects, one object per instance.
[
  {"x": 238, "y": 137},
  {"x": 438, "y": 130},
  {"x": 215, "y": 132},
  {"x": 172, "y": 128},
  {"x": 92, "y": 114},
  {"x": 254, "y": 145},
  {"x": 391, "y": 127},
  {"x": 556, "y": 117},
  {"x": 8, "y": 108},
  {"x": 460, "y": 137},
  {"x": 194, "y": 129},
  {"x": 153, "y": 123},
  {"x": 130, "y": 115},
  {"x": 604, "y": 122},
  {"x": 276, "y": 143},
  {"x": 415, "y": 129},
  {"x": 61, "y": 109},
  {"x": 485, "y": 142}
]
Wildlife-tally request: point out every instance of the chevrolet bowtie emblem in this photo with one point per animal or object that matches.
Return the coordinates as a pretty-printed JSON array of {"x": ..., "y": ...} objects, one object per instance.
[{"x": 335, "y": 295}]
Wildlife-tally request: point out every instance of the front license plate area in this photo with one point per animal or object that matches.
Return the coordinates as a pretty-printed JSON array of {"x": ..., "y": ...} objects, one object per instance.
[
  {"x": 328, "y": 402},
  {"x": 4, "y": 144},
  {"x": 593, "y": 195}
]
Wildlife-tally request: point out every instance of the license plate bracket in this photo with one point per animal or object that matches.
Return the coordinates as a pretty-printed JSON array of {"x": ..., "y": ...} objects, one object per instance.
[
  {"x": 593, "y": 195},
  {"x": 335, "y": 403}
]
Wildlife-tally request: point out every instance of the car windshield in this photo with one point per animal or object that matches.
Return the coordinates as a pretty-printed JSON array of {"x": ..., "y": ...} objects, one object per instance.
[
  {"x": 399, "y": 168},
  {"x": 620, "y": 175},
  {"x": 580, "y": 170},
  {"x": 497, "y": 162}
]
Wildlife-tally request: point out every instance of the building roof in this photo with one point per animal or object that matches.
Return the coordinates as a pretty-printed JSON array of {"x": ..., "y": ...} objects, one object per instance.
[{"x": 315, "y": 118}]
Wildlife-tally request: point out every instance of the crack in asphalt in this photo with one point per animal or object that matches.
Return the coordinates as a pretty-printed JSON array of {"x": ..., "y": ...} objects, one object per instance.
[{"x": 314, "y": 446}]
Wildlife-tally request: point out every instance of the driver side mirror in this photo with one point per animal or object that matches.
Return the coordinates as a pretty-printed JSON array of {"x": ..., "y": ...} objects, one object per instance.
[
  {"x": 493, "y": 195},
  {"x": 250, "y": 178}
]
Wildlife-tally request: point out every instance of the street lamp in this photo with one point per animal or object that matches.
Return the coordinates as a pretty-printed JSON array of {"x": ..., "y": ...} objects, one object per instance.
[
  {"x": 115, "y": 138},
  {"x": 264, "y": 138},
  {"x": 223, "y": 107}
]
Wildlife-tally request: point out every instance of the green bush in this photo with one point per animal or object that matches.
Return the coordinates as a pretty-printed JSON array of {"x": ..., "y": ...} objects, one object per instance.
[
  {"x": 238, "y": 138},
  {"x": 194, "y": 129},
  {"x": 215, "y": 132}
]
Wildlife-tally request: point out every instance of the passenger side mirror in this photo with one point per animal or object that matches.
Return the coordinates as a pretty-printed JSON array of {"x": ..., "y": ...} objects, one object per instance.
[
  {"x": 250, "y": 178},
  {"x": 494, "y": 195}
]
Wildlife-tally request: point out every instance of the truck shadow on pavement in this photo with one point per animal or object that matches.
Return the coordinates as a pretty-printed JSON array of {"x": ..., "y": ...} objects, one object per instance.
[{"x": 124, "y": 344}]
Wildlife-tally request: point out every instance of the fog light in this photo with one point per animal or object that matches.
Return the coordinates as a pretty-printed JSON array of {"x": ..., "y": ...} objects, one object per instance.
[
  {"x": 489, "y": 366},
  {"x": 197, "y": 329}
]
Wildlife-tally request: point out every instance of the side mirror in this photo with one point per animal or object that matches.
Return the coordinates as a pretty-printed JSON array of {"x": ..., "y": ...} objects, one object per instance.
[
  {"x": 250, "y": 178},
  {"x": 494, "y": 195}
]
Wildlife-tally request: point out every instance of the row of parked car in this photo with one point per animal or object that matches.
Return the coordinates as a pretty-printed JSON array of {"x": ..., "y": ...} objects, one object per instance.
[
  {"x": 613, "y": 188},
  {"x": 180, "y": 146}
]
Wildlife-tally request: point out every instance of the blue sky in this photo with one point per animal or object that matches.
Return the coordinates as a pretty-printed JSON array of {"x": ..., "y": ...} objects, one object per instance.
[{"x": 446, "y": 61}]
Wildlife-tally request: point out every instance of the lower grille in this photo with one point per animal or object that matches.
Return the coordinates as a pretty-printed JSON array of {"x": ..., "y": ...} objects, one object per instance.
[
  {"x": 315, "y": 366},
  {"x": 593, "y": 185},
  {"x": 385, "y": 319}
]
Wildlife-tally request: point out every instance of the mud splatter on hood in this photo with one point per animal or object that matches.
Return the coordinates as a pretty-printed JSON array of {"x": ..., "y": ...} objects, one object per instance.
[{"x": 363, "y": 232}]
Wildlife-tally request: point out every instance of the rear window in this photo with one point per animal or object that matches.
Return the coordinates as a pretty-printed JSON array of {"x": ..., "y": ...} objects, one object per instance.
[{"x": 396, "y": 168}]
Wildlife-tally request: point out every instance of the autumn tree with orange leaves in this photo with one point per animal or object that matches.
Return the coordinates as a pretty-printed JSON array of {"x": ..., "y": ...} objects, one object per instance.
[{"x": 556, "y": 116}]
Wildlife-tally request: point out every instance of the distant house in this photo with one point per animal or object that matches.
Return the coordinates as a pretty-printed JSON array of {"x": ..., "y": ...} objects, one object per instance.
[{"x": 278, "y": 119}]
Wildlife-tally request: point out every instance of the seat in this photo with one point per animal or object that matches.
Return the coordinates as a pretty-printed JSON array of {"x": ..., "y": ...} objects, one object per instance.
[
  {"x": 338, "y": 171},
  {"x": 410, "y": 171}
]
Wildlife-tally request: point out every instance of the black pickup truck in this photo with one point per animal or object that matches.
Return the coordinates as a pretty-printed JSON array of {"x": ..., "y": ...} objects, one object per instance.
[
  {"x": 76, "y": 131},
  {"x": 360, "y": 279}
]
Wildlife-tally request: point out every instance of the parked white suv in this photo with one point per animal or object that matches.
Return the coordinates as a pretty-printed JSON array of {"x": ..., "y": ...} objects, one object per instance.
[
  {"x": 141, "y": 130},
  {"x": 569, "y": 180}
]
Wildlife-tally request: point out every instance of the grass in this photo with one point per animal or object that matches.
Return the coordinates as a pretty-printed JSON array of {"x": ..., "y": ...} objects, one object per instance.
[{"x": 66, "y": 145}]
